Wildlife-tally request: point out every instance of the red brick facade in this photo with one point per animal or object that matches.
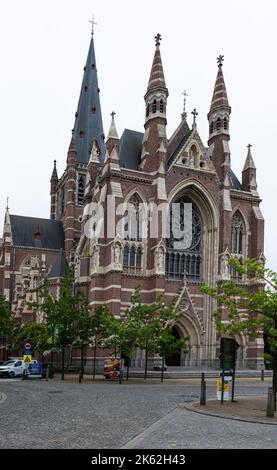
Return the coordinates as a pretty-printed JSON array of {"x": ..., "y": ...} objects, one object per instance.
[{"x": 110, "y": 264}]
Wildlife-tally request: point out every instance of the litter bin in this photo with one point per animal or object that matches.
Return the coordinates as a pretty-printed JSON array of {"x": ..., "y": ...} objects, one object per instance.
[{"x": 50, "y": 371}]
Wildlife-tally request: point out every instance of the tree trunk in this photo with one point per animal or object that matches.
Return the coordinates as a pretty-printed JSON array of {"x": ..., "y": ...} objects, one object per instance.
[
  {"x": 82, "y": 359},
  {"x": 63, "y": 354},
  {"x": 128, "y": 368},
  {"x": 162, "y": 375},
  {"x": 146, "y": 361},
  {"x": 274, "y": 377},
  {"x": 94, "y": 359}
]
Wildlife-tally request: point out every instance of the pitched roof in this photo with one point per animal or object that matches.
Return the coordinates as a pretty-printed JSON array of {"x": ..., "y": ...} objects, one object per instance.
[
  {"x": 236, "y": 184},
  {"x": 130, "y": 149},
  {"x": 60, "y": 267},
  {"x": 24, "y": 230},
  {"x": 179, "y": 145},
  {"x": 88, "y": 123}
]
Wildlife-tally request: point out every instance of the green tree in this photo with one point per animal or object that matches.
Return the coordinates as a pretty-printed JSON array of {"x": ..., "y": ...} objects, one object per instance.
[
  {"x": 166, "y": 343},
  {"x": 250, "y": 310},
  {"x": 8, "y": 324},
  {"x": 61, "y": 314},
  {"x": 35, "y": 333},
  {"x": 83, "y": 327},
  {"x": 150, "y": 328},
  {"x": 102, "y": 326}
]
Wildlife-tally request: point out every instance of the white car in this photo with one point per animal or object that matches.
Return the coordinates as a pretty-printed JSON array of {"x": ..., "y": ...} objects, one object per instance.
[{"x": 13, "y": 368}]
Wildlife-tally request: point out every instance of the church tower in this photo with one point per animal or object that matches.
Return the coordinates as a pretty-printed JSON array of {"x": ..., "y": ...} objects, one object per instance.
[
  {"x": 68, "y": 192},
  {"x": 155, "y": 115},
  {"x": 219, "y": 117}
]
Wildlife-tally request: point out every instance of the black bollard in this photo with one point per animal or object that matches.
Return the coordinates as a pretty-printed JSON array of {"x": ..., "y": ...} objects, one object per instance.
[
  {"x": 203, "y": 390},
  {"x": 270, "y": 403},
  {"x": 80, "y": 376},
  {"x": 262, "y": 375}
]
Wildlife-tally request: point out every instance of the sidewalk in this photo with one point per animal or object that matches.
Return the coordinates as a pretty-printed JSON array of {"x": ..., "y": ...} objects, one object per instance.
[{"x": 247, "y": 408}]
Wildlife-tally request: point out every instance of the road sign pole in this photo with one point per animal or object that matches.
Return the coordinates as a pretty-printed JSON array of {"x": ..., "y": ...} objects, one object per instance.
[{"x": 222, "y": 387}]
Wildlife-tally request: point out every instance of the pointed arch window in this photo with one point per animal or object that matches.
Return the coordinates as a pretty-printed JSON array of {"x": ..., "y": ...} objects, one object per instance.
[
  {"x": 154, "y": 106},
  {"x": 138, "y": 257},
  {"x": 180, "y": 258},
  {"x": 238, "y": 231},
  {"x": 225, "y": 123},
  {"x": 218, "y": 123},
  {"x": 126, "y": 256},
  {"x": 161, "y": 106},
  {"x": 133, "y": 257},
  {"x": 133, "y": 219},
  {"x": 211, "y": 127},
  {"x": 81, "y": 189}
]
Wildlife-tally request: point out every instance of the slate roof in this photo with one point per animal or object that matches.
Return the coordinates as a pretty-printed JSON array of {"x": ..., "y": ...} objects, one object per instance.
[
  {"x": 235, "y": 181},
  {"x": 24, "y": 229},
  {"x": 179, "y": 146},
  {"x": 130, "y": 149},
  {"x": 130, "y": 152},
  {"x": 88, "y": 123},
  {"x": 60, "y": 267}
]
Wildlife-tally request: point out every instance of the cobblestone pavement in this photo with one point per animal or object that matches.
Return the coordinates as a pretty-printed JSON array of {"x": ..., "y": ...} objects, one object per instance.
[{"x": 58, "y": 414}]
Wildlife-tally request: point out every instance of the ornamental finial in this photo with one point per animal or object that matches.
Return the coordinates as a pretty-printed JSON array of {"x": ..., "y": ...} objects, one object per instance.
[
  {"x": 220, "y": 60},
  {"x": 158, "y": 39},
  {"x": 185, "y": 94}
]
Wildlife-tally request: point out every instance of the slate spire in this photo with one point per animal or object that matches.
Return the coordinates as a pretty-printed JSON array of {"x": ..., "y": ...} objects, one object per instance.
[
  {"x": 88, "y": 118},
  {"x": 156, "y": 79},
  {"x": 220, "y": 98}
]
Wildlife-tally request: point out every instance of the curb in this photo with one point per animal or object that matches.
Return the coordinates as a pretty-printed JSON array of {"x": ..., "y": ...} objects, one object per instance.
[{"x": 190, "y": 407}]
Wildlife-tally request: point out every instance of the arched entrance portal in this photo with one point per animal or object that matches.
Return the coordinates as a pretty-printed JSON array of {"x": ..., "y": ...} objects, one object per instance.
[{"x": 175, "y": 358}]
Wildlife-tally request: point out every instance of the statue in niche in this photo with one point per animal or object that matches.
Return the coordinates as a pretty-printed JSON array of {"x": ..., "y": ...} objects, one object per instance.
[
  {"x": 224, "y": 266},
  {"x": 160, "y": 260},
  {"x": 117, "y": 254},
  {"x": 95, "y": 259}
]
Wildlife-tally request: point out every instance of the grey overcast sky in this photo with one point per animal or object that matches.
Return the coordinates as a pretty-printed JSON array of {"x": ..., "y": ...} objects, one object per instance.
[{"x": 43, "y": 48}]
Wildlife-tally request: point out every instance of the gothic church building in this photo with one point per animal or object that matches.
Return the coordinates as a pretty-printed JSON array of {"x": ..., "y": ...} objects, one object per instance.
[{"x": 107, "y": 217}]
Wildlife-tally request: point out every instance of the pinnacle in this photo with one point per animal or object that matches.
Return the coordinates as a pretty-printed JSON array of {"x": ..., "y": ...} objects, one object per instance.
[
  {"x": 249, "y": 162},
  {"x": 112, "y": 132},
  {"x": 220, "y": 98},
  {"x": 54, "y": 173},
  {"x": 156, "y": 79}
]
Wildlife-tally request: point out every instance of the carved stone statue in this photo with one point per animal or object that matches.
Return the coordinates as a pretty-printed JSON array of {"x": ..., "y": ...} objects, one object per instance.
[
  {"x": 159, "y": 260},
  {"x": 224, "y": 266},
  {"x": 94, "y": 259},
  {"x": 117, "y": 255}
]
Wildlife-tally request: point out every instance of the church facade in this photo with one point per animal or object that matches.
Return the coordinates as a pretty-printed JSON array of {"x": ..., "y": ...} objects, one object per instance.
[{"x": 164, "y": 213}]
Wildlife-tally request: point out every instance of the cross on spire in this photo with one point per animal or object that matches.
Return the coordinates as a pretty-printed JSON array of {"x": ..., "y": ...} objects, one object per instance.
[
  {"x": 7, "y": 203},
  {"x": 113, "y": 114},
  {"x": 220, "y": 60},
  {"x": 93, "y": 23},
  {"x": 249, "y": 146},
  {"x": 185, "y": 94},
  {"x": 158, "y": 39}
]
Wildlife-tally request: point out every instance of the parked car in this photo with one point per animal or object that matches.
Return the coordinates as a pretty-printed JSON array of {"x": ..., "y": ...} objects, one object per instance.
[{"x": 13, "y": 368}]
